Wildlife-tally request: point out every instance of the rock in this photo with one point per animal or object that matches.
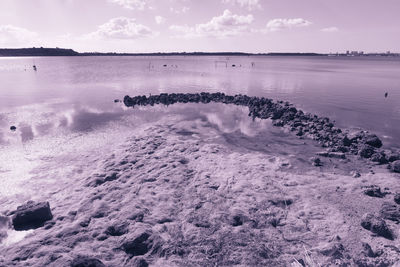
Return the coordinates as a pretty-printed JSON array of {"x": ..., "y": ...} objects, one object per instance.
[
  {"x": 346, "y": 141},
  {"x": 338, "y": 155},
  {"x": 390, "y": 211},
  {"x": 117, "y": 229},
  {"x": 116, "y": 101},
  {"x": 86, "y": 261},
  {"x": 366, "y": 151},
  {"x": 367, "y": 251},
  {"x": 236, "y": 220},
  {"x": 31, "y": 215},
  {"x": 13, "y": 128},
  {"x": 380, "y": 158},
  {"x": 140, "y": 243},
  {"x": 374, "y": 141},
  {"x": 376, "y": 225},
  {"x": 355, "y": 174},
  {"x": 138, "y": 262},
  {"x": 373, "y": 191},
  {"x": 334, "y": 251},
  {"x": 316, "y": 161},
  {"x": 395, "y": 166},
  {"x": 397, "y": 198}
]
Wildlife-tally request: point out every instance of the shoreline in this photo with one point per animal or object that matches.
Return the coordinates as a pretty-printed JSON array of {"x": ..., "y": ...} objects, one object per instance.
[{"x": 190, "y": 193}]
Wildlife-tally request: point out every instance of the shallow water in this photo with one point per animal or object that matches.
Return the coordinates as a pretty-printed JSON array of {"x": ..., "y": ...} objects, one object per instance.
[{"x": 70, "y": 99}]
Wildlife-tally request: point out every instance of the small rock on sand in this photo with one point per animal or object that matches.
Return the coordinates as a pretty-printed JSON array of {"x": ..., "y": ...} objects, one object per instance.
[
  {"x": 138, "y": 262},
  {"x": 373, "y": 191},
  {"x": 316, "y": 161},
  {"x": 395, "y": 166},
  {"x": 140, "y": 243},
  {"x": 13, "y": 128},
  {"x": 390, "y": 211},
  {"x": 31, "y": 215},
  {"x": 376, "y": 225},
  {"x": 397, "y": 198},
  {"x": 85, "y": 261}
]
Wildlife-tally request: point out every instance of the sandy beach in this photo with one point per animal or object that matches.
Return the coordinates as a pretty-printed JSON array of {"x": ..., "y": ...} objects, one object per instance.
[{"x": 212, "y": 190}]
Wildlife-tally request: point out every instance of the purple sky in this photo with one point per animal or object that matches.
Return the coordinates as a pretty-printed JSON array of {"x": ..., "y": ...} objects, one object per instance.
[{"x": 202, "y": 25}]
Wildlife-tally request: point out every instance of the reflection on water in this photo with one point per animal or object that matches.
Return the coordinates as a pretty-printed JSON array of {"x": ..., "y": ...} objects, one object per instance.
[{"x": 350, "y": 91}]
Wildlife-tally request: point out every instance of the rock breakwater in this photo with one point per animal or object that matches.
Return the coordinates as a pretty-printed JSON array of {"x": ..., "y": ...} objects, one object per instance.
[{"x": 284, "y": 114}]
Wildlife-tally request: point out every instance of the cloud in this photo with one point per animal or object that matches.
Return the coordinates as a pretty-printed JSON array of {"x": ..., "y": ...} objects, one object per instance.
[
  {"x": 226, "y": 25},
  {"x": 330, "y": 29},
  {"x": 121, "y": 28},
  {"x": 15, "y": 36},
  {"x": 281, "y": 24},
  {"x": 249, "y": 4},
  {"x": 159, "y": 20},
  {"x": 131, "y": 4},
  {"x": 181, "y": 10}
]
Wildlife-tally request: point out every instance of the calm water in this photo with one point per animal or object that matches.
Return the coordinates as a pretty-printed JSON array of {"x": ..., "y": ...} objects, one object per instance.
[{"x": 75, "y": 94}]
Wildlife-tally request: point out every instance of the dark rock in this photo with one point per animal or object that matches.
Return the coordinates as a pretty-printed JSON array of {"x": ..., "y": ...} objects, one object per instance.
[
  {"x": 337, "y": 155},
  {"x": 397, "y": 198},
  {"x": 379, "y": 157},
  {"x": 316, "y": 161},
  {"x": 390, "y": 211},
  {"x": 116, "y": 101},
  {"x": 140, "y": 243},
  {"x": 237, "y": 220},
  {"x": 376, "y": 225},
  {"x": 117, "y": 229},
  {"x": 367, "y": 251},
  {"x": 374, "y": 141},
  {"x": 138, "y": 262},
  {"x": 31, "y": 215},
  {"x": 366, "y": 151},
  {"x": 13, "y": 128},
  {"x": 373, "y": 191},
  {"x": 395, "y": 166},
  {"x": 393, "y": 157},
  {"x": 335, "y": 251},
  {"x": 85, "y": 261}
]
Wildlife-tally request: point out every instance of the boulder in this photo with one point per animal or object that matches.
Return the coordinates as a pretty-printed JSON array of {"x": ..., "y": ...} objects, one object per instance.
[
  {"x": 13, "y": 128},
  {"x": 373, "y": 191},
  {"x": 138, "y": 262},
  {"x": 31, "y": 215},
  {"x": 316, "y": 161},
  {"x": 366, "y": 151},
  {"x": 390, "y": 211},
  {"x": 373, "y": 140},
  {"x": 379, "y": 157},
  {"x": 397, "y": 198},
  {"x": 395, "y": 166},
  {"x": 376, "y": 225},
  {"x": 85, "y": 261},
  {"x": 141, "y": 243}
]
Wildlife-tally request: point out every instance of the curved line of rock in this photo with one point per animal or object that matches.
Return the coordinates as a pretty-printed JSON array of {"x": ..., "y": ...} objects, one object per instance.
[{"x": 321, "y": 129}]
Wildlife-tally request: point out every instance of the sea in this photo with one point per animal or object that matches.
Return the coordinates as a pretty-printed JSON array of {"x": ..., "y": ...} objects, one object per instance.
[{"x": 68, "y": 104}]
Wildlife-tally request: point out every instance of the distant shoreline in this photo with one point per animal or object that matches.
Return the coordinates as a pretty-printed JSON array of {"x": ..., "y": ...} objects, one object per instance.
[{"x": 45, "y": 52}]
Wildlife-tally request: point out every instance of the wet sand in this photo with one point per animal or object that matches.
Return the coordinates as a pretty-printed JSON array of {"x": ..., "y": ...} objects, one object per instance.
[{"x": 201, "y": 192}]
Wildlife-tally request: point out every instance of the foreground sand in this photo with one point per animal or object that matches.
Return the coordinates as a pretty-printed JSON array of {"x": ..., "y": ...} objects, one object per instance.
[{"x": 207, "y": 198}]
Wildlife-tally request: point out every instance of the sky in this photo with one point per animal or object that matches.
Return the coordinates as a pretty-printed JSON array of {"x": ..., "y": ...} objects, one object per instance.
[{"x": 255, "y": 26}]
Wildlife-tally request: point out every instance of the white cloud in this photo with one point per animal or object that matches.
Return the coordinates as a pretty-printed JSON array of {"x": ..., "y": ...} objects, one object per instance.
[
  {"x": 131, "y": 4},
  {"x": 330, "y": 29},
  {"x": 121, "y": 28},
  {"x": 15, "y": 36},
  {"x": 181, "y": 10},
  {"x": 159, "y": 20},
  {"x": 281, "y": 24},
  {"x": 226, "y": 25},
  {"x": 249, "y": 4}
]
